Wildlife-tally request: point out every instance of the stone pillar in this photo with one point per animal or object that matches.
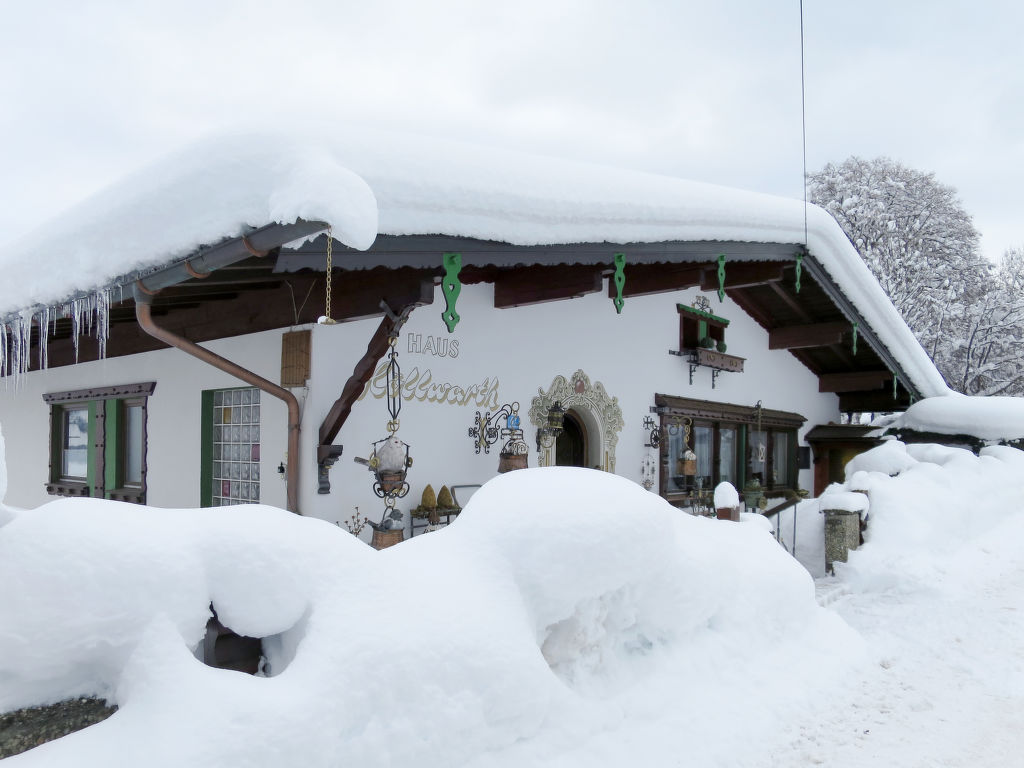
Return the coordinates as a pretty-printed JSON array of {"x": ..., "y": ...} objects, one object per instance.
[{"x": 842, "y": 533}]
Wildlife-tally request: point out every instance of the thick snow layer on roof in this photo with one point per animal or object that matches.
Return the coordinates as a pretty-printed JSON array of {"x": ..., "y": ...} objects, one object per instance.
[
  {"x": 365, "y": 183},
  {"x": 987, "y": 418}
]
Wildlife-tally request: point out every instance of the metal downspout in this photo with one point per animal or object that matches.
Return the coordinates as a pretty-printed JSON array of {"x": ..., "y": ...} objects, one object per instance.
[{"x": 145, "y": 319}]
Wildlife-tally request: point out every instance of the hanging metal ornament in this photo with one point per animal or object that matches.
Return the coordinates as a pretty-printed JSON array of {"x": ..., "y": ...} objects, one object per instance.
[{"x": 390, "y": 460}]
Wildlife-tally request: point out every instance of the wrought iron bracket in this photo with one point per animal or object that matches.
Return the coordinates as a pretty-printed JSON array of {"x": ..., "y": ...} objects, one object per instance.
[{"x": 326, "y": 457}]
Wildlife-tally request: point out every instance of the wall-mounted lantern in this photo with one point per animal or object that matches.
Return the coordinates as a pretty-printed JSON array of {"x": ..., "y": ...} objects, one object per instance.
[
  {"x": 548, "y": 434},
  {"x": 488, "y": 429}
]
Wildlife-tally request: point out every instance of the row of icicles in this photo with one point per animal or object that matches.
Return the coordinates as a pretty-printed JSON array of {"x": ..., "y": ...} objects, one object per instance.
[{"x": 90, "y": 315}]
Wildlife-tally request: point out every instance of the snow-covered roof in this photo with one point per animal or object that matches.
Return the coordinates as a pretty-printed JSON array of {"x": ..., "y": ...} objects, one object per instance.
[
  {"x": 365, "y": 183},
  {"x": 986, "y": 418}
]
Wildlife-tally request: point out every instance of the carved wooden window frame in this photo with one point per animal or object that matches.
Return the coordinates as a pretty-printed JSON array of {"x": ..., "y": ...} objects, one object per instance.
[
  {"x": 779, "y": 425},
  {"x": 105, "y": 474}
]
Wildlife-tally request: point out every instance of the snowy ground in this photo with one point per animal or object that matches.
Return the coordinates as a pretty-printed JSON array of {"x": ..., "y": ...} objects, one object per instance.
[{"x": 567, "y": 618}]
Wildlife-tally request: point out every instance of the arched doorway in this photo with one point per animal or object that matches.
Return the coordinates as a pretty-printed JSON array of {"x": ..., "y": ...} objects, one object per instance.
[
  {"x": 571, "y": 447},
  {"x": 596, "y": 420}
]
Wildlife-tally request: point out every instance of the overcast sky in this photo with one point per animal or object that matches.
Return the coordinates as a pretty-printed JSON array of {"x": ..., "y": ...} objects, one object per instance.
[{"x": 90, "y": 91}]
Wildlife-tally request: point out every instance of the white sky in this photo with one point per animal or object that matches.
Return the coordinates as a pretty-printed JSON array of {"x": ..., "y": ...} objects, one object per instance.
[{"x": 708, "y": 91}]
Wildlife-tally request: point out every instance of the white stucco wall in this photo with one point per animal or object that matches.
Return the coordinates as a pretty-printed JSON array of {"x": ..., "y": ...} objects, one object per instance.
[
  {"x": 521, "y": 349},
  {"x": 174, "y": 418}
]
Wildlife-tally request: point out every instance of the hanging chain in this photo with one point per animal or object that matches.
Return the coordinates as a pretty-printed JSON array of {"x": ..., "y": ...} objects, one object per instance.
[{"x": 330, "y": 269}]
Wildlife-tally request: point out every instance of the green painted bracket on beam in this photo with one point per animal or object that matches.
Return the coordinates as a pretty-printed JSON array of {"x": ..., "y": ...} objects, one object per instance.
[
  {"x": 855, "y": 338},
  {"x": 799, "y": 270},
  {"x": 721, "y": 277},
  {"x": 620, "y": 281},
  {"x": 451, "y": 287},
  {"x": 895, "y": 381}
]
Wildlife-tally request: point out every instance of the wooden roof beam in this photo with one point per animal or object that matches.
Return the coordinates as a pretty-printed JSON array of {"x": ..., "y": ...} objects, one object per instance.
[
  {"x": 539, "y": 284},
  {"x": 647, "y": 279},
  {"x": 873, "y": 402},
  {"x": 808, "y": 335},
  {"x": 854, "y": 381},
  {"x": 743, "y": 274}
]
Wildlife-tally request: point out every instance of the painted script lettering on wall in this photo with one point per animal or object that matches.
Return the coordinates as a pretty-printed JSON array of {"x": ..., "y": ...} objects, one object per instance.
[
  {"x": 420, "y": 385},
  {"x": 439, "y": 346}
]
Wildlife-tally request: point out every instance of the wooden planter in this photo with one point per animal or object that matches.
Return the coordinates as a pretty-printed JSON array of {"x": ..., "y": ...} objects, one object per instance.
[{"x": 385, "y": 539}]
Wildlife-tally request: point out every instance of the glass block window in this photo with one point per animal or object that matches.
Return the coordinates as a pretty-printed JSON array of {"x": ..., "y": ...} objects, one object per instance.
[{"x": 236, "y": 447}]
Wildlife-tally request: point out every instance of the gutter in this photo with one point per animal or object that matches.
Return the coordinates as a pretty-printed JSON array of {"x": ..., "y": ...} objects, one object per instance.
[
  {"x": 143, "y": 314},
  {"x": 257, "y": 243}
]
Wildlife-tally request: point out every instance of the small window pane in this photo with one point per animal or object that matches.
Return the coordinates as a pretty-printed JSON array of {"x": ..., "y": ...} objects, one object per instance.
[
  {"x": 758, "y": 450},
  {"x": 727, "y": 455},
  {"x": 702, "y": 446},
  {"x": 75, "y": 443},
  {"x": 780, "y": 459},
  {"x": 133, "y": 445}
]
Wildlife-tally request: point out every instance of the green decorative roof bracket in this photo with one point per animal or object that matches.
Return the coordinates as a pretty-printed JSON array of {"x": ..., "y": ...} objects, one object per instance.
[
  {"x": 855, "y": 326},
  {"x": 721, "y": 277},
  {"x": 799, "y": 270},
  {"x": 620, "y": 281},
  {"x": 895, "y": 381},
  {"x": 451, "y": 287}
]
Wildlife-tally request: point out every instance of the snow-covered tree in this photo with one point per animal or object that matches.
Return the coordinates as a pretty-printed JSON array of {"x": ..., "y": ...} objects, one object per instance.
[
  {"x": 989, "y": 356},
  {"x": 921, "y": 245}
]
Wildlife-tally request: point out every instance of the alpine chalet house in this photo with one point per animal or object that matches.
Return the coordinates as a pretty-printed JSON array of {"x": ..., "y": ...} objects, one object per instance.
[{"x": 476, "y": 308}]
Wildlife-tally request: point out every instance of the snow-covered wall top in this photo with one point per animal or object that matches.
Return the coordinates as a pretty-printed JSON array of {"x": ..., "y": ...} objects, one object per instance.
[
  {"x": 986, "y": 418},
  {"x": 365, "y": 183}
]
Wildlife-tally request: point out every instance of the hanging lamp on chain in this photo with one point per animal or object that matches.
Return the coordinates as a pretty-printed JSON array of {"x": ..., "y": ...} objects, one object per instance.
[{"x": 390, "y": 460}]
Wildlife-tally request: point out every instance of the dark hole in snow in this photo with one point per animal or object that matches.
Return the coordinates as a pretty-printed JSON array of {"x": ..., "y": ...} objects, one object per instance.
[{"x": 225, "y": 649}]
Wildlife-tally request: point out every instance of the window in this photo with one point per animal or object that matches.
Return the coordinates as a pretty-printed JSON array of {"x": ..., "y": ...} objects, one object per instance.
[
  {"x": 98, "y": 442},
  {"x": 231, "y": 447},
  {"x": 706, "y": 443}
]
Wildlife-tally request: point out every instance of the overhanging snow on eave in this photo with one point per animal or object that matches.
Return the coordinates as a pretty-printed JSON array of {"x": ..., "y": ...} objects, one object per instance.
[{"x": 203, "y": 260}]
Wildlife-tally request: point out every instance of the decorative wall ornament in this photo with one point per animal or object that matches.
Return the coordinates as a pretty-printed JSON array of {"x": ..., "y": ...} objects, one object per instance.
[
  {"x": 599, "y": 411},
  {"x": 619, "y": 280},
  {"x": 451, "y": 287}
]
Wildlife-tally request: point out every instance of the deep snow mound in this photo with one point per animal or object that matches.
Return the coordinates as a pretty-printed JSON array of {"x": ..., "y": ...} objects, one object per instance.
[
  {"x": 559, "y": 598},
  {"x": 934, "y": 508}
]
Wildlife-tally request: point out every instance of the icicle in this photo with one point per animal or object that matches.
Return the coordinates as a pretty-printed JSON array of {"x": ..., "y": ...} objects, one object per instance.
[
  {"x": 75, "y": 324},
  {"x": 102, "y": 321},
  {"x": 3, "y": 353},
  {"x": 44, "y": 339}
]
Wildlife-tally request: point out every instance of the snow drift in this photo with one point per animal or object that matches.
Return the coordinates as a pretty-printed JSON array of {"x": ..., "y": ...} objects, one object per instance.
[{"x": 559, "y": 604}]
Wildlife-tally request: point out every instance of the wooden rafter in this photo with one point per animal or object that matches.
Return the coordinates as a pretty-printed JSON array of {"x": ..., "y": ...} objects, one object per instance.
[
  {"x": 854, "y": 381},
  {"x": 539, "y": 284},
  {"x": 807, "y": 335}
]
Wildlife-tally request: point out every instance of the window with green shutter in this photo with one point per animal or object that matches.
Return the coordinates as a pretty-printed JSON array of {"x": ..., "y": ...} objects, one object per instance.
[{"x": 98, "y": 442}]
